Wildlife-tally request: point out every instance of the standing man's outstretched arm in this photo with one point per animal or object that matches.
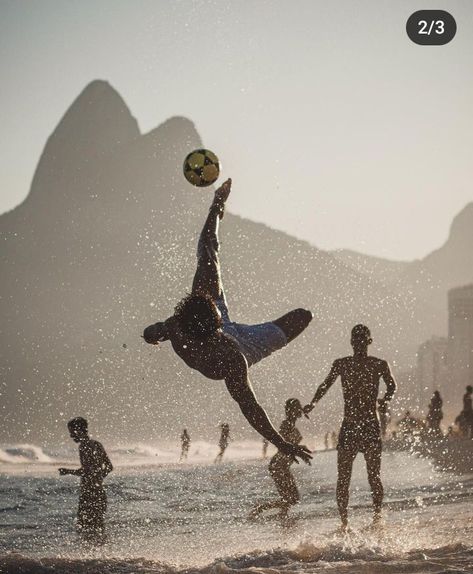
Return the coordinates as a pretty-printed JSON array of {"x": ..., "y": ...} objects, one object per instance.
[
  {"x": 324, "y": 387},
  {"x": 239, "y": 387}
]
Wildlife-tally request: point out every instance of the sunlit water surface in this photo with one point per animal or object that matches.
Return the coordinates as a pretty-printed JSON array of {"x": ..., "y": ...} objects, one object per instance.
[{"x": 168, "y": 517}]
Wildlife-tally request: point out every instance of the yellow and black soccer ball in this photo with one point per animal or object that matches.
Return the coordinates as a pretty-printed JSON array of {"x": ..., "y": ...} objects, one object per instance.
[{"x": 201, "y": 167}]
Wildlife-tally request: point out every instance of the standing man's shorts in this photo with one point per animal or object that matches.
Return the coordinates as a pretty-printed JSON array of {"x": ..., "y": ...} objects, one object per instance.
[
  {"x": 363, "y": 436},
  {"x": 254, "y": 341}
]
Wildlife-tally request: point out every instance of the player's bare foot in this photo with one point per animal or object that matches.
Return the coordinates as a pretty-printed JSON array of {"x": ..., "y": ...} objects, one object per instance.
[
  {"x": 343, "y": 528},
  {"x": 378, "y": 522},
  {"x": 221, "y": 196}
]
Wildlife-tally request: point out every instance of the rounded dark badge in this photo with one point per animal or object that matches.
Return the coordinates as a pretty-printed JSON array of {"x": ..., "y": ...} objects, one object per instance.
[{"x": 431, "y": 27}]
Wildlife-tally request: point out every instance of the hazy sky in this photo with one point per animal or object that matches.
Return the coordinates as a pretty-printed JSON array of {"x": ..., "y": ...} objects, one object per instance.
[{"x": 334, "y": 126}]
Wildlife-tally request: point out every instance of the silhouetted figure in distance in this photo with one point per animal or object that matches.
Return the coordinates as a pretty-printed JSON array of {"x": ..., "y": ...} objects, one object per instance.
[
  {"x": 435, "y": 414},
  {"x": 223, "y": 441},
  {"x": 360, "y": 431},
  {"x": 327, "y": 440},
  {"x": 185, "y": 445},
  {"x": 280, "y": 464},
  {"x": 408, "y": 425},
  {"x": 203, "y": 335},
  {"x": 265, "y": 448},
  {"x": 95, "y": 466},
  {"x": 334, "y": 439},
  {"x": 468, "y": 412}
]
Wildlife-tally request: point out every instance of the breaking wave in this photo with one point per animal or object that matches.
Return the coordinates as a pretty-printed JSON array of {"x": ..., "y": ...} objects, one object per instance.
[{"x": 336, "y": 558}]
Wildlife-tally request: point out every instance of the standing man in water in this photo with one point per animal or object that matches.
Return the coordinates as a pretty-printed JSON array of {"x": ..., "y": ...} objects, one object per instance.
[
  {"x": 360, "y": 432},
  {"x": 202, "y": 334},
  {"x": 95, "y": 466}
]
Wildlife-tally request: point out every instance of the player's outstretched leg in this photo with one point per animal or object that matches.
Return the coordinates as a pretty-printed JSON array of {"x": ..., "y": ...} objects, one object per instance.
[
  {"x": 207, "y": 277},
  {"x": 294, "y": 322}
]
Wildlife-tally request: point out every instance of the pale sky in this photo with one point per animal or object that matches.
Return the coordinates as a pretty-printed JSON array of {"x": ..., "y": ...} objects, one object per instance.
[{"x": 334, "y": 126}]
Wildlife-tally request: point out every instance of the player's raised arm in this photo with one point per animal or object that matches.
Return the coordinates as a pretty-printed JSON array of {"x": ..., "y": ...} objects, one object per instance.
[
  {"x": 324, "y": 387},
  {"x": 390, "y": 382},
  {"x": 239, "y": 387}
]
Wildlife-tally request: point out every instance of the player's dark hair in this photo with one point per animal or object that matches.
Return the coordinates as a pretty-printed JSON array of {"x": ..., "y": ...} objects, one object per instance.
[
  {"x": 198, "y": 316},
  {"x": 78, "y": 424}
]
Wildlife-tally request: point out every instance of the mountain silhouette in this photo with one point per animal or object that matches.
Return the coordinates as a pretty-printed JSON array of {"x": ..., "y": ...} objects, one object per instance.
[
  {"x": 429, "y": 278},
  {"x": 104, "y": 244}
]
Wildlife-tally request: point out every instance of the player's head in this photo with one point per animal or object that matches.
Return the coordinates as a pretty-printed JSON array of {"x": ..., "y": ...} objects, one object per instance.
[
  {"x": 156, "y": 333},
  {"x": 198, "y": 316},
  {"x": 360, "y": 337},
  {"x": 293, "y": 408},
  {"x": 78, "y": 428},
  {"x": 469, "y": 389}
]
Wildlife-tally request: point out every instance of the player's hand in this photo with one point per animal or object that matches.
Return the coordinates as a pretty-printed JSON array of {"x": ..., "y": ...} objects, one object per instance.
[
  {"x": 308, "y": 408},
  {"x": 63, "y": 471},
  {"x": 297, "y": 451}
]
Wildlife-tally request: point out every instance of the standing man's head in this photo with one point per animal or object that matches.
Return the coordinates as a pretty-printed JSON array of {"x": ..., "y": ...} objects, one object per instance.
[
  {"x": 293, "y": 409},
  {"x": 469, "y": 389},
  {"x": 78, "y": 429},
  {"x": 198, "y": 316},
  {"x": 360, "y": 338}
]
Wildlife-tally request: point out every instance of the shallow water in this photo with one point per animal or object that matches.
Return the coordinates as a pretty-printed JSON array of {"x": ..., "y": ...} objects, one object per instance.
[{"x": 165, "y": 516}]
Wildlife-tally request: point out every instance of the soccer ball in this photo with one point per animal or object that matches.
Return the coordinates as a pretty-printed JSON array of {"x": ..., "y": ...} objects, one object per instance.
[{"x": 201, "y": 167}]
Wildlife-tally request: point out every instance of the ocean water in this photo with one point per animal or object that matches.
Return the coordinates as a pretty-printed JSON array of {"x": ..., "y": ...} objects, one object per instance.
[{"x": 193, "y": 517}]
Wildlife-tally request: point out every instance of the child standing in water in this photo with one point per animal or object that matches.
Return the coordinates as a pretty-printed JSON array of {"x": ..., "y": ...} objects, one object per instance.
[
  {"x": 95, "y": 465},
  {"x": 280, "y": 464}
]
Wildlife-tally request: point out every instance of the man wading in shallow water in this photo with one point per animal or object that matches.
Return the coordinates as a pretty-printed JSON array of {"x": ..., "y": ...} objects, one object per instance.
[
  {"x": 203, "y": 335},
  {"x": 95, "y": 466},
  {"x": 360, "y": 431}
]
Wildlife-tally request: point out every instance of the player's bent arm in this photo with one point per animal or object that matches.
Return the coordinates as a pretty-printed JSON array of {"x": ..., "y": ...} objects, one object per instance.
[
  {"x": 240, "y": 389},
  {"x": 390, "y": 382},
  {"x": 106, "y": 466}
]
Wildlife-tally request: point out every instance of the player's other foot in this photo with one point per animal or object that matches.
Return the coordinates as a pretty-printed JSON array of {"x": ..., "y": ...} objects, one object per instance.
[
  {"x": 221, "y": 196},
  {"x": 343, "y": 528},
  {"x": 378, "y": 522}
]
